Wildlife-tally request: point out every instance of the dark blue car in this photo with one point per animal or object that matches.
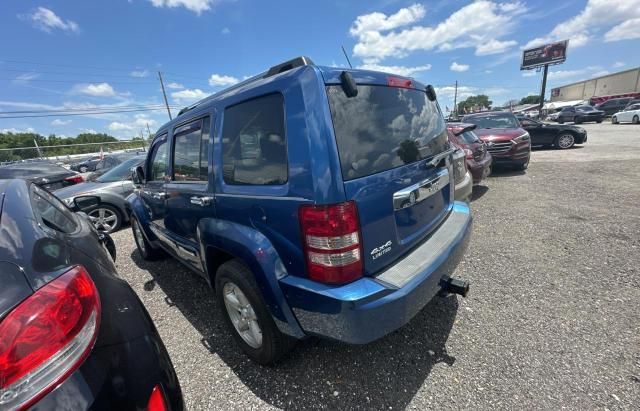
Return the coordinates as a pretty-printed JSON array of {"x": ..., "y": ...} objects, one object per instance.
[{"x": 314, "y": 200}]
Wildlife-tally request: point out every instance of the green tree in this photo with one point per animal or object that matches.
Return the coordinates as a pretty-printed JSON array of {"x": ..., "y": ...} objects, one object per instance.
[
  {"x": 530, "y": 100},
  {"x": 474, "y": 103}
]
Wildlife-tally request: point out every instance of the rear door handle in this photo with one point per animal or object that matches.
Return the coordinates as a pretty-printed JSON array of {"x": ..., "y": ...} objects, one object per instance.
[{"x": 201, "y": 201}]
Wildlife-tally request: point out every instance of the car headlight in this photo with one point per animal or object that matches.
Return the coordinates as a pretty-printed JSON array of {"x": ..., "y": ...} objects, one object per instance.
[{"x": 520, "y": 139}]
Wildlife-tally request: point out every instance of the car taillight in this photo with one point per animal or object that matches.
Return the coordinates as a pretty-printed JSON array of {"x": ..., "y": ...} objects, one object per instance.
[
  {"x": 399, "y": 82},
  {"x": 74, "y": 179},
  {"x": 331, "y": 236},
  {"x": 156, "y": 400},
  {"x": 47, "y": 337}
]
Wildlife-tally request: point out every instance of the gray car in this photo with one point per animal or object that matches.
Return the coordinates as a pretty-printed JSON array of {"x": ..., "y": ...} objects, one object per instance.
[{"x": 112, "y": 187}]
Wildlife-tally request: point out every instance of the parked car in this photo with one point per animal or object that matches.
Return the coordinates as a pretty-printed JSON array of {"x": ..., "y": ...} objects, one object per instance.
[
  {"x": 553, "y": 116},
  {"x": 613, "y": 105},
  {"x": 314, "y": 200},
  {"x": 72, "y": 334},
  {"x": 631, "y": 114},
  {"x": 463, "y": 182},
  {"x": 112, "y": 188},
  {"x": 110, "y": 161},
  {"x": 85, "y": 165},
  {"x": 506, "y": 141},
  {"x": 633, "y": 101},
  {"x": 477, "y": 156},
  {"x": 580, "y": 114},
  {"x": 43, "y": 173},
  {"x": 557, "y": 135}
]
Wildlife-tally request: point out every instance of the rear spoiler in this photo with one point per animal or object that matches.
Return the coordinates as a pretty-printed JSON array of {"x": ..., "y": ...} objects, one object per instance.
[{"x": 464, "y": 130}]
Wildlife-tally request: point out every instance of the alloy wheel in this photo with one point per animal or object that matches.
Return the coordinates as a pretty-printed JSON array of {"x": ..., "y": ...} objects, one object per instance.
[
  {"x": 635, "y": 120},
  {"x": 242, "y": 315},
  {"x": 566, "y": 141},
  {"x": 137, "y": 233},
  {"x": 103, "y": 219}
]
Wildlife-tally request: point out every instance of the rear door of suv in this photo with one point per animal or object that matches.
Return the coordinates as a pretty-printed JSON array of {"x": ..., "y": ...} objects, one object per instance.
[{"x": 392, "y": 145}]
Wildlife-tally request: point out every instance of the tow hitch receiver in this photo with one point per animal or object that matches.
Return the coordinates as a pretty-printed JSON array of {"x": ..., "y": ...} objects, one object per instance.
[{"x": 455, "y": 286}]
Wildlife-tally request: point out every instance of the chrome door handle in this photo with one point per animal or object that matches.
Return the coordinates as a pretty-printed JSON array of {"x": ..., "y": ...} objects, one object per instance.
[
  {"x": 201, "y": 201},
  {"x": 159, "y": 196}
]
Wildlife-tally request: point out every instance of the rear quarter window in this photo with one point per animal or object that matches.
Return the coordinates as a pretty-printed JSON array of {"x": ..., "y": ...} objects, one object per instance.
[{"x": 52, "y": 212}]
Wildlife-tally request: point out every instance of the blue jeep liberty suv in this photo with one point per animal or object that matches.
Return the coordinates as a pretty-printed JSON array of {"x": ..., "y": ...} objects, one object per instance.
[{"x": 313, "y": 200}]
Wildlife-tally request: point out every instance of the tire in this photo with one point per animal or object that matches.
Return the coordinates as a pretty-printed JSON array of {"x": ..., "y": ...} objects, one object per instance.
[
  {"x": 598, "y": 121},
  {"x": 577, "y": 120},
  {"x": 635, "y": 120},
  {"x": 614, "y": 120},
  {"x": 565, "y": 141},
  {"x": 523, "y": 166},
  {"x": 238, "y": 295},
  {"x": 105, "y": 218},
  {"x": 146, "y": 250},
  {"x": 84, "y": 169},
  {"x": 560, "y": 121}
]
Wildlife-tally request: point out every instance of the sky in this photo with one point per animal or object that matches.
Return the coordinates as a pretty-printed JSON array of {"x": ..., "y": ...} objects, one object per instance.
[{"x": 102, "y": 56}]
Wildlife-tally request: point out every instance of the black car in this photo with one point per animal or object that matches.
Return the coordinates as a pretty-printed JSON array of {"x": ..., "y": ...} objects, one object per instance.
[
  {"x": 613, "y": 105},
  {"x": 580, "y": 114},
  {"x": 559, "y": 136},
  {"x": 112, "y": 188},
  {"x": 43, "y": 173},
  {"x": 73, "y": 335},
  {"x": 87, "y": 164}
]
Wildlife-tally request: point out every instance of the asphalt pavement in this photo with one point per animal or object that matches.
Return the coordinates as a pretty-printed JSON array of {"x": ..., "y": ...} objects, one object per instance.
[{"x": 552, "y": 320}]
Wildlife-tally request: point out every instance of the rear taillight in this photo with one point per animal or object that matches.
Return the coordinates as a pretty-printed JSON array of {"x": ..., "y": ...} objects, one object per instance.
[
  {"x": 74, "y": 179},
  {"x": 47, "y": 337},
  {"x": 331, "y": 236},
  {"x": 399, "y": 82},
  {"x": 156, "y": 400}
]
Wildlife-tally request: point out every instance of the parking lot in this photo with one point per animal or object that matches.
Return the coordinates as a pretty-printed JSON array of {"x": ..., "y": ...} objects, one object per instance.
[{"x": 552, "y": 319}]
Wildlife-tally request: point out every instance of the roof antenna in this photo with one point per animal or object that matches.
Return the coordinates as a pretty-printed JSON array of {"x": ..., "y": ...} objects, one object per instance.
[{"x": 345, "y": 56}]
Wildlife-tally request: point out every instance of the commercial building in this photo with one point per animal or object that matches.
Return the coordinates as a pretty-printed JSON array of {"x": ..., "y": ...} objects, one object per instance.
[{"x": 618, "y": 84}]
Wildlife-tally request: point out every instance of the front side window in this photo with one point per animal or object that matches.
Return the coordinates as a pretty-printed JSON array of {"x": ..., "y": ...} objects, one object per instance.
[
  {"x": 383, "y": 128},
  {"x": 191, "y": 151},
  {"x": 254, "y": 143},
  {"x": 158, "y": 163}
]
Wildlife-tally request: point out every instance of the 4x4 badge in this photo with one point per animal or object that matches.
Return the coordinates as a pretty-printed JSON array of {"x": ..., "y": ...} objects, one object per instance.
[{"x": 381, "y": 250}]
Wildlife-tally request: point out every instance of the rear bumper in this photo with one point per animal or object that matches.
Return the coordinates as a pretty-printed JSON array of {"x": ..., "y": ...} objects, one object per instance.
[
  {"x": 464, "y": 189},
  {"x": 372, "y": 307},
  {"x": 480, "y": 169}
]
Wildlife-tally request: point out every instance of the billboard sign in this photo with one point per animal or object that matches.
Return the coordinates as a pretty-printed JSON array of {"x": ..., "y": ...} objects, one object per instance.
[{"x": 553, "y": 53}]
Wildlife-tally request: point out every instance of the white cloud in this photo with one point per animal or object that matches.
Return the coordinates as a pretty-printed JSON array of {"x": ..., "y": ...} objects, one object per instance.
[
  {"x": 400, "y": 70},
  {"x": 188, "y": 96},
  {"x": 47, "y": 21},
  {"x": 225, "y": 30},
  {"x": 118, "y": 126},
  {"x": 565, "y": 74},
  {"x": 494, "y": 46},
  {"x": 600, "y": 73},
  {"x": 222, "y": 80},
  {"x": 175, "y": 86},
  {"x": 474, "y": 25},
  {"x": 140, "y": 73},
  {"x": 627, "y": 30},
  {"x": 597, "y": 14},
  {"x": 197, "y": 6},
  {"x": 59, "y": 122},
  {"x": 529, "y": 73},
  {"x": 96, "y": 90},
  {"x": 618, "y": 64},
  {"x": 88, "y": 130},
  {"x": 25, "y": 78},
  {"x": 458, "y": 67},
  {"x": 16, "y": 130}
]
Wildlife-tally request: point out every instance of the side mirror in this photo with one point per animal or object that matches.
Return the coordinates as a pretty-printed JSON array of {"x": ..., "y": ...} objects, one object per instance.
[
  {"x": 137, "y": 175},
  {"x": 86, "y": 203}
]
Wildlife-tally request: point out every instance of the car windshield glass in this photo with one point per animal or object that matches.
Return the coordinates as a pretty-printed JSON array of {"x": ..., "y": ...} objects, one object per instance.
[
  {"x": 384, "y": 127},
  {"x": 30, "y": 169},
  {"x": 498, "y": 120},
  {"x": 121, "y": 172}
]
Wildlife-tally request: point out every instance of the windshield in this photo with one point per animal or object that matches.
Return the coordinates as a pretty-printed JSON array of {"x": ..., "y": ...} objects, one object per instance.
[
  {"x": 121, "y": 172},
  {"x": 468, "y": 137},
  {"x": 384, "y": 127},
  {"x": 497, "y": 120}
]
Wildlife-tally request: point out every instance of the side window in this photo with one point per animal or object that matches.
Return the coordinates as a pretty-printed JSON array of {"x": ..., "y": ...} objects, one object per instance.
[
  {"x": 254, "y": 143},
  {"x": 52, "y": 212},
  {"x": 158, "y": 161},
  {"x": 191, "y": 151}
]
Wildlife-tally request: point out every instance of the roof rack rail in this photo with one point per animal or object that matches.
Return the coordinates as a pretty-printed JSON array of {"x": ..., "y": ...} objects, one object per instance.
[
  {"x": 288, "y": 65},
  {"x": 185, "y": 109}
]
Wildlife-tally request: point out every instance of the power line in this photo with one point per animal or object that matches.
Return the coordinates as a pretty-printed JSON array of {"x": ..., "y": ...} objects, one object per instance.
[
  {"x": 83, "y": 114},
  {"x": 66, "y": 65},
  {"x": 69, "y": 73},
  {"x": 99, "y": 108},
  {"x": 75, "y": 81}
]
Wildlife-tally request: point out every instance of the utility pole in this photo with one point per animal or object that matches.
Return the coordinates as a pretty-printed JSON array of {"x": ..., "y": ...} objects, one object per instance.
[
  {"x": 166, "y": 103},
  {"x": 544, "y": 86},
  {"x": 148, "y": 130},
  {"x": 346, "y": 56},
  {"x": 455, "y": 101}
]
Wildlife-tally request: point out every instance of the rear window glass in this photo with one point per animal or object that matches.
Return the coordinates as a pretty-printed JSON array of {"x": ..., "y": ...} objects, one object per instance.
[
  {"x": 53, "y": 213},
  {"x": 253, "y": 142},
  {"x": 497, "y": 120},
  {"x": 30, "y": 170},
  {"x": 384, "y": 127}
]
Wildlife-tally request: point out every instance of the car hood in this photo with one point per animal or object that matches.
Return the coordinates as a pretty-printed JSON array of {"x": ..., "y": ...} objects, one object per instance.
[
  {"x": 593, "y": 112},
  {"x": 498, "y": 134},
  {"x": 84, "y": 188}
]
